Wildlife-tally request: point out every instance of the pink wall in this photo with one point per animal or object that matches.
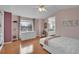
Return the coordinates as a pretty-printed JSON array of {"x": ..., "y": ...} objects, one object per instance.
[
  {"x": 69, "y": 14},
  {"x": 7, "y": 26}
]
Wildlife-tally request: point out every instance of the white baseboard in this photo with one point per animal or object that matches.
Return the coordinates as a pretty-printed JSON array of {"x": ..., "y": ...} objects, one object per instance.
[{"x": 7, "y": 42}]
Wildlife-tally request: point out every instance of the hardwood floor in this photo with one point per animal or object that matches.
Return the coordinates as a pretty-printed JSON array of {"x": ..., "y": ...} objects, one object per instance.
[
  {"x": 11, "y": 48},
  {"x": 14, "y": 47}
]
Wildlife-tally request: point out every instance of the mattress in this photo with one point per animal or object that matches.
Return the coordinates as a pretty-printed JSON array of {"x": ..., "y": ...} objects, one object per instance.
[{"x": 62, "y": 45}]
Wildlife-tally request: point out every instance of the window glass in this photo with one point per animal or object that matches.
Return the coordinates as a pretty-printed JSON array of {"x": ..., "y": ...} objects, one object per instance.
[
  {"x": 51, "y": 24},
  {"x": 26, "y": 25}
]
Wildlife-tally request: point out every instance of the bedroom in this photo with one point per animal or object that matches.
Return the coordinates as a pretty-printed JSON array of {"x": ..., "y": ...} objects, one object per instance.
[{"x": 26, "y": 27}]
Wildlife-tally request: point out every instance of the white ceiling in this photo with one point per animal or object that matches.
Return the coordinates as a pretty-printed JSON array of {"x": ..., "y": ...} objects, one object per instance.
[{"x": 32, "y": 10}]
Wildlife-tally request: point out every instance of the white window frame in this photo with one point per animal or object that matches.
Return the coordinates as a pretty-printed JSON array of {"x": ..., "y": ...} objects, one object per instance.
[
  {"x": 28, "y": 21},
  {"x": 52, "y": 32}
]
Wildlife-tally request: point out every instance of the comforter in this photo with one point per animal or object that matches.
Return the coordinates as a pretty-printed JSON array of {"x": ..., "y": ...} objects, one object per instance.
[{"x": 62, "y": 45}]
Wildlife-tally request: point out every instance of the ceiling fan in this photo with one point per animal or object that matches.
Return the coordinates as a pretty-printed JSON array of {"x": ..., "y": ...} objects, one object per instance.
[{"x": 42, "y": 8}]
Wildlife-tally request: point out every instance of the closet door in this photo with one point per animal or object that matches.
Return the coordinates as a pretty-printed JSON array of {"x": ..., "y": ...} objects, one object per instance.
[
  {"x": 1, "y": 28},
  {"x": 7, "y": 27}
]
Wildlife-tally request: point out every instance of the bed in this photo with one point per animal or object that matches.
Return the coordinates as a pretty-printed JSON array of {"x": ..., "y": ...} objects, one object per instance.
[{"x": 60, "y": 45}]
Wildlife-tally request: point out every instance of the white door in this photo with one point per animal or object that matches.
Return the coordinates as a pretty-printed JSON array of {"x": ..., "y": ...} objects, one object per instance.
[{"x": 1, "y": 29}]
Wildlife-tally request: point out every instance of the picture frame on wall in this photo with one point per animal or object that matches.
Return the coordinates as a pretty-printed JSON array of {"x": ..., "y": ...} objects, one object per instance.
[{"x": 70, "y": 23}]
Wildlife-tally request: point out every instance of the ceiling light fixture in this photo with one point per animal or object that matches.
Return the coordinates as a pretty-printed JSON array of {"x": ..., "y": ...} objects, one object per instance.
[{"x": 42, "y": 8}]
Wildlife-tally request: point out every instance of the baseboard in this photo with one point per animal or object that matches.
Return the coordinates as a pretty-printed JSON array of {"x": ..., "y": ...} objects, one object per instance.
[{"x": 7, "y": 42}]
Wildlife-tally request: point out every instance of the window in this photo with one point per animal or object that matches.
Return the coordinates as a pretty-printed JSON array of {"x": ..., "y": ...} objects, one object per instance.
[
  {"x": 51, "y": 25},
  {"x": 26, "y": 25}
]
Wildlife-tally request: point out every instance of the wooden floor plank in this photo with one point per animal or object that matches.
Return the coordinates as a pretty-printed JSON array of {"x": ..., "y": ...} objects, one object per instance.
[{"x": 14, "y": 47}]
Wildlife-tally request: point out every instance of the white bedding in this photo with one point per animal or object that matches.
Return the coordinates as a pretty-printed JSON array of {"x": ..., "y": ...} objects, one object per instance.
[{"x": 62, "y": 45}]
